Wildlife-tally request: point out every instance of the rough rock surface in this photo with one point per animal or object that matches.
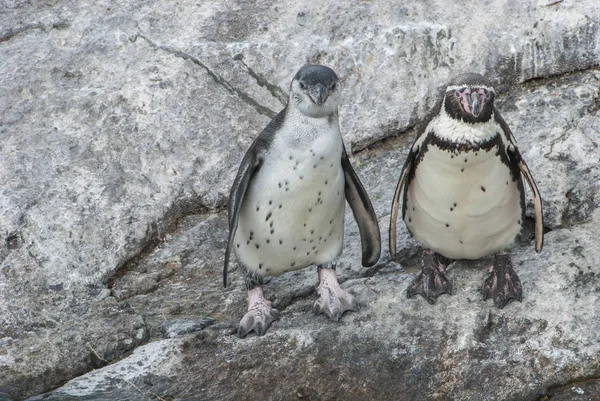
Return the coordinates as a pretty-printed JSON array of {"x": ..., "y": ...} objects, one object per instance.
[{"x": 122, "y": 125}]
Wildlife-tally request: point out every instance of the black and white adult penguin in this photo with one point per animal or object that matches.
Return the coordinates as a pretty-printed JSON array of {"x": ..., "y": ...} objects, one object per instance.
[
  {"x": 463, "y": 194},
  {"x": 286, "y": 207}
]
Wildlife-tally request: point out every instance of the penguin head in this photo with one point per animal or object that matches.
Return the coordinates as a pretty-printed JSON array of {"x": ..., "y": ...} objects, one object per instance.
[
  {"x": 470, "y": 98},
  {"x": 315, "y": 91}
]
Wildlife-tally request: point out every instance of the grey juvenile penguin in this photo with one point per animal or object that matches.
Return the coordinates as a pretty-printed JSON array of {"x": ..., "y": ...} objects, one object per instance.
[
  {"x": 286, "y": 207},
  {"x": 463, "y": 195}
]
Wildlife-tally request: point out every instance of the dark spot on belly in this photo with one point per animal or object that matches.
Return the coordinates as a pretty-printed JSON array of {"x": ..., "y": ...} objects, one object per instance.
[
  {"x": 280, "y": 242},
  {"x": 451, "y": 209},
  {"x": 314, "y": 166},
  {"x": 310, "y": 210},
  {"x": 454, "y": 204},
  {"x": 413, "y": 209},
  {"x": 314, "y": 247},
  {"x": 452, "y": 156},
  {"x": 506, "y": 182},
  {"x": 331, "y": 165},
  {"x": 307, "y": 253},
  {"x": 268, "y": 241},
  {"x": 271, "y": 223},
  {"x": 311, "y": 241},
  {"x": 301, "y": 177},
  {"x": 280, "y": 205},
  {"x": 330, "y": 221},
  {"x": 462, "y": 169},
  {"x": 304, "y": 224},
  {"x": 321, "y": 157},
  {"x": 268, "y": 216},
  {"x": 326, "y": 182},
  {"x": 279, "y": 185},
  {"x": 291, "y": 158},
  {"x": 519, "y": 222},
  {"x": 475, "y": 153},
  {"x": 483, "y": 188},
  {"x": 409, "y": 220},
  {"x": 257, "y": 208},
  {"x": 316, "y": 252},
  {"x": 238, "y": 245},
  {"x": 294, "y": 248},
  {"x": 257, "y": 246},
  {"x": 465, "y": 159},
  {"x": 319, "y": 193},
  {"x": 320, "y": 238},
  {"x": 312, "y": 232},
  {"x": 268, "y": 270},
  {"x": 447, "y": 225},
  {"x": 272, "y": 231},
  {"x": 270, "y": 202},
  {"x": 293, "y": 264},
  {"x": 260, "y": 266},
  {"x": 248, "y": 242},
  {"x": 460, "y": 241}
]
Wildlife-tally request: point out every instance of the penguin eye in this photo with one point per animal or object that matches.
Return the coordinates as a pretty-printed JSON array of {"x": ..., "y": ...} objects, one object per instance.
[
  {"x": 302, "y": 85},
  {"x": 457, "y": 93},
  {"x": 333, "y": 86}
]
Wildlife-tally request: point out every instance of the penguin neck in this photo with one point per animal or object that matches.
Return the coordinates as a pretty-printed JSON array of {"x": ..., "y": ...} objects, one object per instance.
[
  {"x": 457, "y": 131},
  {"x": 300, "y": 130},
  {"x": 295, "y": 114}
]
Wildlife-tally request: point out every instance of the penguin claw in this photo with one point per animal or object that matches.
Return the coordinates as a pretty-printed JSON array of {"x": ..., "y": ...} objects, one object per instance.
[
  {"x": 257, "y": 318},
  {"x": 333, "y": 301},
  {"x": 432, "y": 280},
  {"x": 503, "y": 284},
  {"x": 333, "y": 305},
  {"x": 260, "y": 314}
]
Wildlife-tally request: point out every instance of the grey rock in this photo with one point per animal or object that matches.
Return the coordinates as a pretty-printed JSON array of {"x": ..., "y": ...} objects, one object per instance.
[
  {"x": 178, "y": 327},
  {"x": 122, "y": 125},
  {"x": 393, "y": 347}
]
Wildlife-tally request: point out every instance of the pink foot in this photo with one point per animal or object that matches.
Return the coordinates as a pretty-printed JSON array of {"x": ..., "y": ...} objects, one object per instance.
[
  {"x": 333, "y": 301},
  {"x": 260, "y": 315}
]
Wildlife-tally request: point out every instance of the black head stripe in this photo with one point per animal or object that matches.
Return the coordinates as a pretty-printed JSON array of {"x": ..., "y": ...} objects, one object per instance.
[
  {"x": 470, "y": 79},
  {"x": 313, "y": 74}
]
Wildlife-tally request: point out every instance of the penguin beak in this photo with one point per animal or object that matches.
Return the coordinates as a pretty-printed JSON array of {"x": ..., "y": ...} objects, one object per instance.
[
  {"x": 318, "y": 94},
  {"x": 475, "y": 101}
]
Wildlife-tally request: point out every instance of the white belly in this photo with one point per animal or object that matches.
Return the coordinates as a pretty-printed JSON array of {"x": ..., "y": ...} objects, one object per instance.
[
  {"x": 463, "y": 206},
  {"x": 293, "y": 213}
]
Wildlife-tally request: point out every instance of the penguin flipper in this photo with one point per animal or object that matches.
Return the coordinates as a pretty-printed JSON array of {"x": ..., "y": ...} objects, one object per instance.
[
  {"x": 364, "y": 214},
  {"x": 518, "y": 162},
  {"x": 250, "y": 164},
  {"x": 406, "y": 169},
  {"x": 537, "y": 206}
]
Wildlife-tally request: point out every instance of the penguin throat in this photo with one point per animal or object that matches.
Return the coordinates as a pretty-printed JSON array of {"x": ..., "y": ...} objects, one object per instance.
[{"x": 453, "y": 130}]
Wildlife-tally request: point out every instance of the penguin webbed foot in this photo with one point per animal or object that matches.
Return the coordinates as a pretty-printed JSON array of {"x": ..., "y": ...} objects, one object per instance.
[
  {"x": 432, "y": 280},
  {"x": 333, "y": 301},
  {"x": 503, "y": 283},
  {"x": 260, "y": 314}
]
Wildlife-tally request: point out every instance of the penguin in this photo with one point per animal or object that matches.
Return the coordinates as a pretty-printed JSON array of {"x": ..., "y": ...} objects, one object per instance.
[
  {"x": 287, "y": 203},
  {"x": 463, "y": 193}
]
